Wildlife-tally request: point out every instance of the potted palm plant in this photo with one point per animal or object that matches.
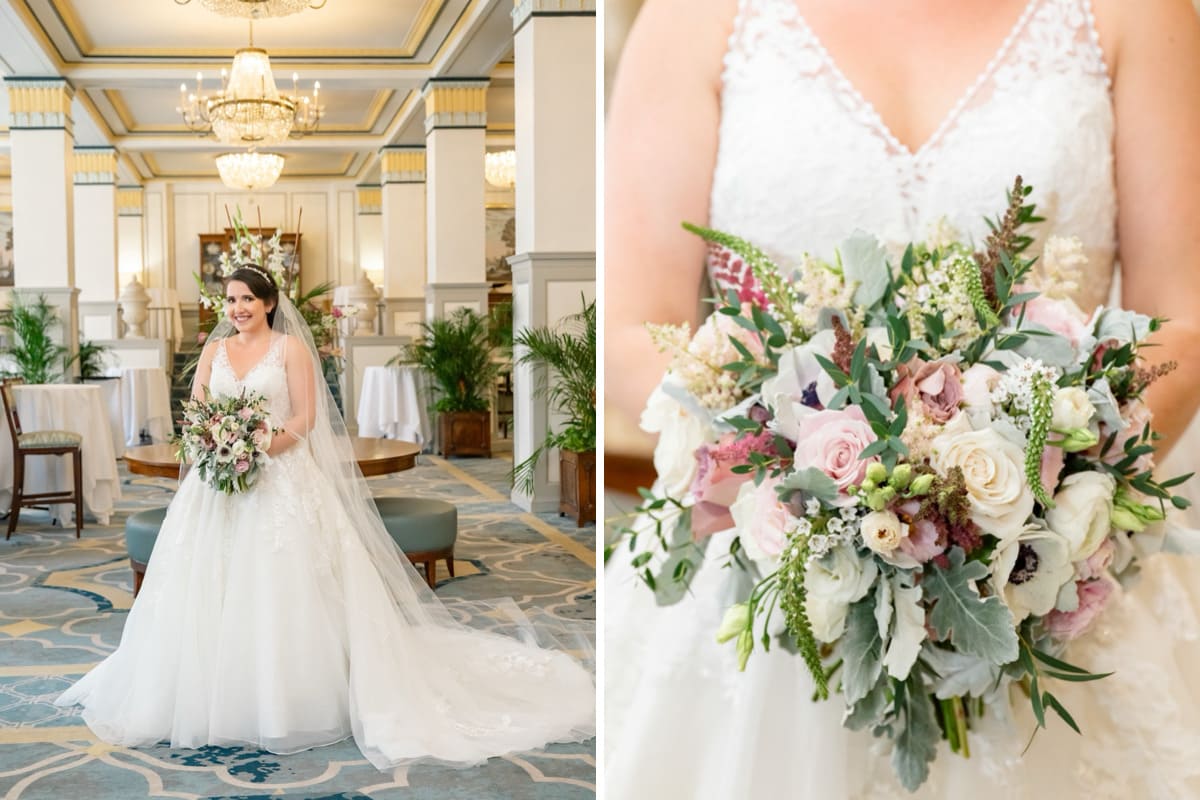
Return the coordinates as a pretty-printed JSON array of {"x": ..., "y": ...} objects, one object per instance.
[
  {"x": 32, "y": 351},
  {"x": 457, "y": 354},
  {"x": 568, "y": 352}
]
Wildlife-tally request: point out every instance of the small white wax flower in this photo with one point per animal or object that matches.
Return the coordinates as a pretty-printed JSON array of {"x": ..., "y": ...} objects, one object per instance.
[
  {"x": 882, "y": 531},
  {"x": 812, "y": 507}
]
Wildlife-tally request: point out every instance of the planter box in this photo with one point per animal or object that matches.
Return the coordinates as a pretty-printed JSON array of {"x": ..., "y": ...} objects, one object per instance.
[
  {"x": 577, "y": 485},
  {"x": 465, "y": 433}
]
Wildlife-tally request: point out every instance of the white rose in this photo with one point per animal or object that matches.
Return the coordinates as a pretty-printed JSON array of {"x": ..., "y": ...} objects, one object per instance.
[
  {"x": 1082, "y": 512},
  {"x": 1030, "y": 571},
  {"x": 882, "y": 531},
  {"x": 994, "y": 471},
  {"x": 680, "y": 433},
  {"x": 977, "y": 384},
  {"x": 833, "y": 582},
  {"x": 1071, "y": 409}
]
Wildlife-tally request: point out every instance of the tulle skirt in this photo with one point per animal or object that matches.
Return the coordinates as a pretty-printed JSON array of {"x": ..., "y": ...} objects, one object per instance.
[
  {"x": 264, "y": 621},
  {"x": 682, "y": 722}
]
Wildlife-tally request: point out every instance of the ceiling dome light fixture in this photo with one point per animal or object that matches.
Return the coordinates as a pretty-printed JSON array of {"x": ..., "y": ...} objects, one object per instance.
[
  {"x": 500, "y": 168},
  {"x": 248, "y": 109},
  {"x": 256, "y": 9},
  {"x": 250, "y": 171}
]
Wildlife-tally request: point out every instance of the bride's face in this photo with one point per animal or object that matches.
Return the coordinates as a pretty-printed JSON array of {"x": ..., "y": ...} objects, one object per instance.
[{"x": 247, "y": 312}]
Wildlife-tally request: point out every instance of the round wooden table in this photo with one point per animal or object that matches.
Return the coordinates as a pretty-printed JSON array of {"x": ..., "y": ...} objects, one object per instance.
[{"x": 374, "y": 457}]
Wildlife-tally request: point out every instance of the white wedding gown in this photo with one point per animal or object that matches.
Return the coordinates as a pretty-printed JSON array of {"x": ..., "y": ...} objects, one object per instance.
[
  {"x": 803, "y": 161},
  {"x": 263, "y": 620}
]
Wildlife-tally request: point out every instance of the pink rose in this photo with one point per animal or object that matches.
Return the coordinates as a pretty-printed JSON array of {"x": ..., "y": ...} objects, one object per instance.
[
  {"x": 832, "y": 441},
  {"x": 1093, "y": 597},
  {"x": 763, "y": 522},
  {"x": 241, "y": 465},
  {"x": 1059, "y": 316},
  {"x": 245, "y": 413},
  {"x": 715, "y": 486},
  {"x": 1098, "y": 562},
  {"x": 936, "y": 384}
]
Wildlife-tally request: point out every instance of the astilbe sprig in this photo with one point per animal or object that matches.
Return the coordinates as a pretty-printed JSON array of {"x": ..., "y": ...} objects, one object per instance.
[{"x": 778, "y": 290}]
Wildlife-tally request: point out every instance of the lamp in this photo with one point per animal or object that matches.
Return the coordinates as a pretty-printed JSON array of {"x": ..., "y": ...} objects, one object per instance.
[
  {"x": 256, "y": 9},
  {"x": 500, "y": 168},
  {"x": 251, "y": 170},
  {"x": 248, "y": 108}
]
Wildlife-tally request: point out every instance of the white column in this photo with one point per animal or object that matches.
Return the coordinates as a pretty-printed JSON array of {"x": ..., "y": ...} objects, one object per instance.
[
  {"x": 455, "y": 126},
  {"x": 96, "y": 241},
  {"x": 42, "y": 143},
  {"x": 403, "y": 203},
  {"x": 555, "y": 264}
]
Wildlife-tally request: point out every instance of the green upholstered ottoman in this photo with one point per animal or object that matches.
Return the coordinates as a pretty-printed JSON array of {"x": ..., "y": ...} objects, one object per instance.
[
  {"x": 141, "y": 529},
  {"x": 424, "y": 529}
]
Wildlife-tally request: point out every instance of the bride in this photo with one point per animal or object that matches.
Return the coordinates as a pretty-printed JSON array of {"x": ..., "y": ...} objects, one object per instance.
[
  {"x": 285, "y": 618},
  {"x": 791, "y": 123}
]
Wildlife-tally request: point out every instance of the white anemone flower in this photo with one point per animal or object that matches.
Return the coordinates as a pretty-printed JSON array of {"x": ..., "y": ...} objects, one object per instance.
[{"x": 1030, "y": 570}]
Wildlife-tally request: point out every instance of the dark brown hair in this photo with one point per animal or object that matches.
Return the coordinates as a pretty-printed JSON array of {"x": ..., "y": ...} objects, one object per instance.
[{"x": 261, "y": 285}]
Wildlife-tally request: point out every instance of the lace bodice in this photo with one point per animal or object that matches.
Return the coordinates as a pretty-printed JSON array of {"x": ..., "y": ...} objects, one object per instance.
[
  {"x": 804, "y": 159},
  {"x": 268, "y": 377}
]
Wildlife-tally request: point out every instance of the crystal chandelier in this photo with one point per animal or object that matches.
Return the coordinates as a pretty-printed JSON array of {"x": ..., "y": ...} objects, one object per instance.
[
  {"x": 251, "y": 170},
  {"x": 500, "y": 169},
  {"x": 256, "y": 9},
  {"x": 248, "y": 108}
]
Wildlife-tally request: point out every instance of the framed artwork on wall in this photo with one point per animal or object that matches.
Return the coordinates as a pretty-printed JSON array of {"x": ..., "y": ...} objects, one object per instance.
[{"x": 500, "y": 242}]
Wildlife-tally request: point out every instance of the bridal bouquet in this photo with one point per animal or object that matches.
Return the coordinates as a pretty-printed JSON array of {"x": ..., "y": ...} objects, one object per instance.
[
  {"x": 934, "y": 466},
  {"x": 226, "y": 438}
]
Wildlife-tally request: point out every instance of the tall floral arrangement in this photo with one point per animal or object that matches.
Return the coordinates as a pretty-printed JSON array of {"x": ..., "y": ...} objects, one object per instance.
[{"x": 935, "y": 468}]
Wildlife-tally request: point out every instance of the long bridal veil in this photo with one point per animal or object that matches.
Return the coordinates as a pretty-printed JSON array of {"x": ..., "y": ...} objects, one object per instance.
[{"x": 455, "y": 681}]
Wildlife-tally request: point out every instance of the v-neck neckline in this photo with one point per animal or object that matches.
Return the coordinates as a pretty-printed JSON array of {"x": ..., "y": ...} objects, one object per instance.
[
  {"x": 253, "y": 367},
  {"x": 950, "y": 117}
]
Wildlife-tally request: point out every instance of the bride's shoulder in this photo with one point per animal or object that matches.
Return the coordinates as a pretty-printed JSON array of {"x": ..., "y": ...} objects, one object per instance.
[
  {"x": 1133, "y": 34},
  {"x": 683, "y": 32}
]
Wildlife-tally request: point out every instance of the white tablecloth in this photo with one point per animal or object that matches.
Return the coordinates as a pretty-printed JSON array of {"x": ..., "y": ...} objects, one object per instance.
[
  {"x": 66, "y": 407},
  {"x": 392, "y": 405},
  {"x": 145, "y": 406}
]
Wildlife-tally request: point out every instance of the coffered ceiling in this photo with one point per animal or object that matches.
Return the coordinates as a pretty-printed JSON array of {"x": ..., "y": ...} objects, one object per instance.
[{"x": 127, "y": 58}]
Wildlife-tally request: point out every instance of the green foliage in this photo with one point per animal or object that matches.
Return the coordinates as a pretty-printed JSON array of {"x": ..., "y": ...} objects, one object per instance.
[
  {"x": 500, "y": 326},
  {"x": 862, "y": 650},
  {"x": 1040, "y": 414},
  {"x": 90, "y": 358},
  {"x": 916, "y": 743},
  {"x": 38, "y": 358},
  {"x": 457, "y": 354},
  {"x": 982, "y": 626},
  {"x": 792, "y": 596},
  {"x": 568, "y": 381}
]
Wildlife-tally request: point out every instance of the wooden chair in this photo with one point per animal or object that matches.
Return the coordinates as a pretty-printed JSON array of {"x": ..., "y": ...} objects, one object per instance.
[{"x": 40, "y": 443}]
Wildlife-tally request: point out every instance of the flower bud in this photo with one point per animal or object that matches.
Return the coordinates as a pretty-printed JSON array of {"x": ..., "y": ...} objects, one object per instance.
[
  {"x": 745, "y": 645},
  {"x": 1125, "y": 520},
  {"x": 877, "y": 473},
  {"x": 736, "y": 620},
  {"x": 868, "y": 486},
  {"x": 921, "y": 485},
  {"x": 901, "y": 476},
  {"x": 1077, "y": 440}
]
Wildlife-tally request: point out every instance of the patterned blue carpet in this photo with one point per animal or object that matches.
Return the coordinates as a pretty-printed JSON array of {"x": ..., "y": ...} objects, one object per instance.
[{"x": 63, "y": 603}]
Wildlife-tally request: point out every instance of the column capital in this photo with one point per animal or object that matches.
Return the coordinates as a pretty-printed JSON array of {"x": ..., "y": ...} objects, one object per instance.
[
  {"x": 400, "y": 164},
  {"x": 95, "y": 165},
  {"x": 370, "y": 198},
  {"x": 524, "y": 10},
  {"x": 131, "y": 201},
  {"x": 455, "y": 103},
  {"x": 39, "y": 103}
]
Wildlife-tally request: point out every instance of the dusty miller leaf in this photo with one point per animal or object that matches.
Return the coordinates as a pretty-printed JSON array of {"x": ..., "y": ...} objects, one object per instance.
[
  {"x": 870, "y": 711},
  {"x": 813, "y": 483},
  {"x": 916, "y": 744},
  {"x": 977, "y": 625},
  {"x": 861, "y": 649},
  {"x": 864, "y": 261},
  {"x": 908, "y": 630},
  {"x": 960, "y": 674}
]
